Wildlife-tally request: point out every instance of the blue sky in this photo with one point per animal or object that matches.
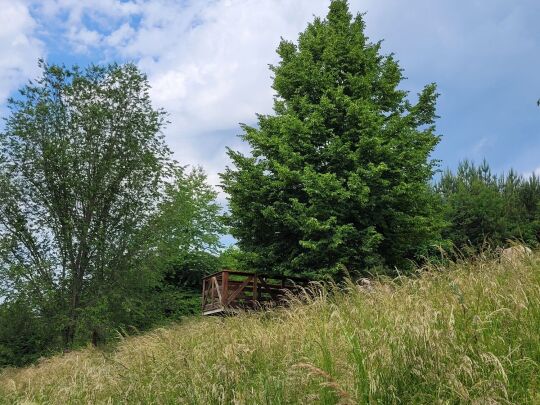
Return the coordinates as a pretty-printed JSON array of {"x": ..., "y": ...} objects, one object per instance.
[{"x": 208, "y": 61}]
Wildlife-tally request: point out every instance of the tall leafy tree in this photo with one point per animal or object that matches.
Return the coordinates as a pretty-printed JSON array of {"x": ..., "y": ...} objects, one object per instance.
[
  {"x": 185, "y": 234},
  {"x": 338, "y": 175},
  {"x": 82, "y": 165}
]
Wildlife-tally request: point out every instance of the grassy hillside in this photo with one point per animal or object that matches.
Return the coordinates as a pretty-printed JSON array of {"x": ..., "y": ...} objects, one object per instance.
[{"x": 466, "y": 334}]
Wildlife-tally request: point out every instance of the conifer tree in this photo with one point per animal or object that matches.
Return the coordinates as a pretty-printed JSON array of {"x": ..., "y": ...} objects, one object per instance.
[{"x": 338, "y": 177}]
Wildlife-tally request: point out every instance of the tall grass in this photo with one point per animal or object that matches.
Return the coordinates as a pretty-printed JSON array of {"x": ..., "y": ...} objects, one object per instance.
[{"x": 469, "y": 333}]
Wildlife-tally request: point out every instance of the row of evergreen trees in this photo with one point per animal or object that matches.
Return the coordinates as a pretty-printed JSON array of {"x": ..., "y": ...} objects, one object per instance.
[
  {"x": 481, "y": 208},
  {"x": 473, "y": 210}
]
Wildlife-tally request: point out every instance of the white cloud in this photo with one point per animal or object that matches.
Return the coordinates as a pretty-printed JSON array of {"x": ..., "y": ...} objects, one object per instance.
[
  {"x": 208, "y": 60},
  {"x": 208, "y": 63},
  {"x": 18, "y": 46},
  {"x": 83, "y": 39},
  {"x": 120, "y": 36},
  {"x": 86, "y": 25}
]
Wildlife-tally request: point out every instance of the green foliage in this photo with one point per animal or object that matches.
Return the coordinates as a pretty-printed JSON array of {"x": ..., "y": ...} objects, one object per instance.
[
  {"x": 338, "y": 176},
  {"x": 82, "y": 162},
  {"x": 183, "y": 240},
  {"x": 97, "y": 223},
  {"x": 101, "y": 232},
  {"x": 233, "y": 258},
  {"x": 24, "y": 334},
  {"x": 482, "y": 208},
  {"x": 181, "y": 244}
]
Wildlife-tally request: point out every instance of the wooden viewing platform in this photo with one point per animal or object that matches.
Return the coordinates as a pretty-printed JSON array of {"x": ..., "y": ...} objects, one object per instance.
[{"x": 227, "y": 291}]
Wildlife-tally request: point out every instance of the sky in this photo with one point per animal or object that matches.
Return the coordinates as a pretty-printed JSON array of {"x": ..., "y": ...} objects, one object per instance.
[{"x": 207, "y": 62}]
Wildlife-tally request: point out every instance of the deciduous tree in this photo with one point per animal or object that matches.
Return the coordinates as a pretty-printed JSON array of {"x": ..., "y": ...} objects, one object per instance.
[{"x": 82, "y": 165}]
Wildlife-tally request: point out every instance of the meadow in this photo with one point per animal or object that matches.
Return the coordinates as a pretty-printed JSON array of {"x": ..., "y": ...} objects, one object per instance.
[{"x": 465, "y": 333}]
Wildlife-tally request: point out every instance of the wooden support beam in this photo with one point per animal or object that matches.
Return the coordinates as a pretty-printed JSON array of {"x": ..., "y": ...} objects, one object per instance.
[
  {"x": 216, "y": 288},
  {"x": 203, "y": 303},
  {"x": 255, "y": 291},
  {"x": 224, "y": 288}
]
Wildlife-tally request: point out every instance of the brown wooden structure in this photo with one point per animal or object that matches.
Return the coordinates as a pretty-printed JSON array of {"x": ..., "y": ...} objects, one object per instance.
[{"x": 228, "y": 291}]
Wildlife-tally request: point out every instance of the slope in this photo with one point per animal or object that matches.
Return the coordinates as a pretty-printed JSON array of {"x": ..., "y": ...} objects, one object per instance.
[{"x": 466, "y": 333}]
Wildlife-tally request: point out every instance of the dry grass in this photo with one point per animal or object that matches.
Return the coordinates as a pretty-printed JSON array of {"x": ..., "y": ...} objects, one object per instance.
[{"x": 466, "y": 334}]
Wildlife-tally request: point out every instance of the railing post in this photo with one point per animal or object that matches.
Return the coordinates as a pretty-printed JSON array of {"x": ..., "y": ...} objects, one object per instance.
[
  {"x": 224, "y": 288},
  {"x": 255, "y": 292},
  {"x": 203, "y": 301}
]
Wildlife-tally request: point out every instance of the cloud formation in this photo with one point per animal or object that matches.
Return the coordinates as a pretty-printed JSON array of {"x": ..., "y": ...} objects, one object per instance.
[
  {"x": 208, "y": 63},
  {"x": 19, "y": 47}
]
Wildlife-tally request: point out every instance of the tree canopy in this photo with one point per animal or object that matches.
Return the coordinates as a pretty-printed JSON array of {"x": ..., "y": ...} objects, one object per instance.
[{"x": 88, "y": 194}]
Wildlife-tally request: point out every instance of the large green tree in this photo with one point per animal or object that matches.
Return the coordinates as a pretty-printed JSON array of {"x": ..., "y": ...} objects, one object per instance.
[
  {"x": 82, "y": 165},
  {"x": 339, "y": 175}
]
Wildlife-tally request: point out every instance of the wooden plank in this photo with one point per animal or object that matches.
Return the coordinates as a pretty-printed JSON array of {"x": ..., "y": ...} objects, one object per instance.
[
  {"x": 203, "y": 293},
  {"x": 268, "y": 277},
  {"x": 218, "y": 273},
  {"x": 213, "y": 311},
  {"x": 234, "y": 284},
  {"x": 264, "y": 287},
  {"x": 255, "y": 291},
  {"x": 217, "y": 289},
  {"x": 224, "y": 288}
]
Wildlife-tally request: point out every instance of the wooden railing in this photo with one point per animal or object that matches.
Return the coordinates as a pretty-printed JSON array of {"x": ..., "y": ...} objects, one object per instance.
[{"x": 229, "y": 291}]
